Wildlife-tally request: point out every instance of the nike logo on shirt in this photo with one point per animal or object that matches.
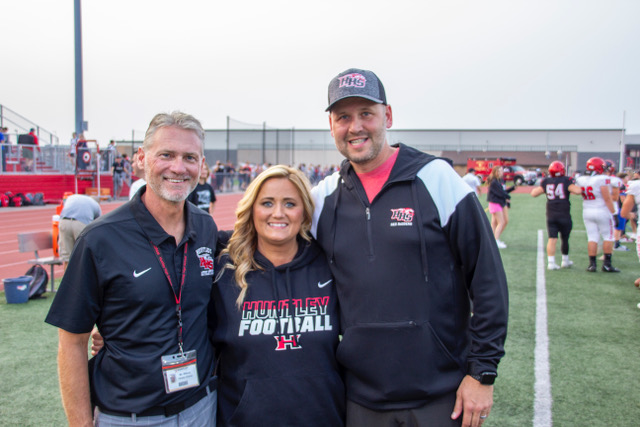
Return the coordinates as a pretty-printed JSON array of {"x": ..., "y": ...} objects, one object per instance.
[
  {"x": 136, "y": 274},
  {"x": 322, "y": 285}
]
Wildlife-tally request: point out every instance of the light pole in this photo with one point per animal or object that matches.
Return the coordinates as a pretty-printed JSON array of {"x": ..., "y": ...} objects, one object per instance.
[{"x": 80, "y": 125}]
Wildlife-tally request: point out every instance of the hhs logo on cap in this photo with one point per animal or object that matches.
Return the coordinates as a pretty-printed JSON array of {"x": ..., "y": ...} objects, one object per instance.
[{"x": 352, "y": 80}]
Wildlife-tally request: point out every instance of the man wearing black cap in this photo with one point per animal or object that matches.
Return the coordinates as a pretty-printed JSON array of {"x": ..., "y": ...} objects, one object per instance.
[{"x": 412, "y": 252}]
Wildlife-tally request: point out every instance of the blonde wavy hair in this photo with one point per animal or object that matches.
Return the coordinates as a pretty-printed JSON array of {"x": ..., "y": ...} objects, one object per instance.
[
  {"x": 244, "y": 240},
  {"x": 495, "y": 174}
]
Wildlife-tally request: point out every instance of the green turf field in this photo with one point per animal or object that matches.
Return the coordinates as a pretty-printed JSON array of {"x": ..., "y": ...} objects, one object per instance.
[{"x": 593, "y": 326}]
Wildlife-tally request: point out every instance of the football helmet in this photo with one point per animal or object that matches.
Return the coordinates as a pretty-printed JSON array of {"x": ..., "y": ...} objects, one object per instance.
[
  {"x": 556, "y": 169},
  {"x": 595, "y": 164},
  {"x": 610, "y": 166}
]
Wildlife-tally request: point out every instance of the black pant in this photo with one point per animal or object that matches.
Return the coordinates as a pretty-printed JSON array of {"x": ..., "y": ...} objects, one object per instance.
[
  {"x": 563, "y": 226},
  {"x": 436, "y": 413}
]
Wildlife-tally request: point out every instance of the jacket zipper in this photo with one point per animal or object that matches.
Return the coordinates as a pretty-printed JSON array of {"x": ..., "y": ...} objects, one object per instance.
[{"x": 367, "y": 211}]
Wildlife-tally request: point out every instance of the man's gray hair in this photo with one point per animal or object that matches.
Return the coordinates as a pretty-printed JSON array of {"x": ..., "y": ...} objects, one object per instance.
[{"x": 177, "y": 119}]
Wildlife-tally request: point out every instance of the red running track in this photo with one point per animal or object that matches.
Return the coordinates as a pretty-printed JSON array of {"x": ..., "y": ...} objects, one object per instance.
[{"x": 38, "y": 218}]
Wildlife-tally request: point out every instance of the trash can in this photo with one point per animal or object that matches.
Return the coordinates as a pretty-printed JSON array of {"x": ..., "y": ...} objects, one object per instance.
[{"x": 16, "y": 290}]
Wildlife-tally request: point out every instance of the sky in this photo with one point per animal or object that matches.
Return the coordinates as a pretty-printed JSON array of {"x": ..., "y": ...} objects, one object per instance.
[{"x": 445, "y": 64}]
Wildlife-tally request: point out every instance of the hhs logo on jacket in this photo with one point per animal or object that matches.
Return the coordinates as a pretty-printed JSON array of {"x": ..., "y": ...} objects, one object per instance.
[{"x": 402, "y": 217}]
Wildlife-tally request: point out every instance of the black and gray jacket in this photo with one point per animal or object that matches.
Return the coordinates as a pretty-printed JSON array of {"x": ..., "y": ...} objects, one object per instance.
[{"x": 409, "y": 267}]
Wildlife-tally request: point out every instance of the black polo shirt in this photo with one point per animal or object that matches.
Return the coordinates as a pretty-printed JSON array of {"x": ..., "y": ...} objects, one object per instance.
[{"x": 115, "y": 280}]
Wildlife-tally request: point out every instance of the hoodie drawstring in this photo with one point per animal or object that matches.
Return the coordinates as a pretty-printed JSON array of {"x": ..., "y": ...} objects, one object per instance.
[
  {"x": 423, "y": 242},
  {"x": 290, "y": 297},
  {"x": 331, "y": 248}
]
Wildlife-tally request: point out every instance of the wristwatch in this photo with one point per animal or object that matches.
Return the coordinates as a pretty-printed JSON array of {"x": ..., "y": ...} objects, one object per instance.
[{"x": 485, "y": 378}]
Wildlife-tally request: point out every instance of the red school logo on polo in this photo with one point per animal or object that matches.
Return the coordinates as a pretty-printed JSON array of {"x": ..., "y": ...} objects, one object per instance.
[
  {"x": 206, "y": 261},
  {"x": 352, "y": 80}
]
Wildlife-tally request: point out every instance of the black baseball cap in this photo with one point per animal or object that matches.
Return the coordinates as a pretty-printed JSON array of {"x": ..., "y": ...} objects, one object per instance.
[{"x": 359, "y": 83}]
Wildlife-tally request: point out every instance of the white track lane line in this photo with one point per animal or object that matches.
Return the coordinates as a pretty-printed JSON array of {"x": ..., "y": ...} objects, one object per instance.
[{"x": 543, "y": 400}]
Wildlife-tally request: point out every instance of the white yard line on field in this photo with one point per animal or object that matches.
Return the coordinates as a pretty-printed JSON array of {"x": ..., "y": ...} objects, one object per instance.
[{"x": 543, "y": 400}]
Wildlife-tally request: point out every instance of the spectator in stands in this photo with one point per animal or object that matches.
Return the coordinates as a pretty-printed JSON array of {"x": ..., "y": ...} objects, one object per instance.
[
  {"x": 72, "y": 148},
  {"x": 472, "y": 181},
  {"x": 138, "y": 172},
  {"x": 4, "y": 142},
  {"x": 111, "y": 152},
  {"x": 230, "y": 173},
  {"x": 117, "y": 171},
  {"x": 82, "y": 148},
  {"x": 218, "y": 170},
  {"x": 28, "y": 144},
  {"x": 127, "y": 168},
  {"x": 244, "y": 175},
  {"x": 78, "y": 211},
  {"x": 32, "y": 132}
]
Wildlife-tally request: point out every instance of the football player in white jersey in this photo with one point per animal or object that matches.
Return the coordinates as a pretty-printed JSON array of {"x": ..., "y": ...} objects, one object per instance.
[
  {"x": 632, "y": 199},
  {"x": 617, "y": 188},
  {"x": 597, "y": 213}
]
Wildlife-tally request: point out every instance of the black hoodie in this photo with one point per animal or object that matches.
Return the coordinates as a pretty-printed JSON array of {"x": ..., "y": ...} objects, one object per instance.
[
  {"x": 277, "y": 363},
  {"x": 407, "y": 267}
]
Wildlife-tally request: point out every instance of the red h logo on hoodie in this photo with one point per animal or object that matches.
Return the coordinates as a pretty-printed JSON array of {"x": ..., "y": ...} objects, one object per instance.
[{"x": 290, "y": 341}]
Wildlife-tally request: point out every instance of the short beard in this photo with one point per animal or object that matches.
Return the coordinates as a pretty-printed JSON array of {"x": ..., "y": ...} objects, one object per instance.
[{"x": 166, "y": 195}]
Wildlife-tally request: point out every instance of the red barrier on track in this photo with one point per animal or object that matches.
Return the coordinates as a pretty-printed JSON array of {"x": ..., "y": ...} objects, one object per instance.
[{"x": 38, "y": 218}]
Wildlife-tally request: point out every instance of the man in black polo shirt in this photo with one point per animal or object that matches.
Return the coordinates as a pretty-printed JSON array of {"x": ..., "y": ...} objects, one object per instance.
[{"x": 143, "y": 274}]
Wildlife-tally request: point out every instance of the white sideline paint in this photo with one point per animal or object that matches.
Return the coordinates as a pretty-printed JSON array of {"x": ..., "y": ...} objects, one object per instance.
[{"x": 542, "y": 386}]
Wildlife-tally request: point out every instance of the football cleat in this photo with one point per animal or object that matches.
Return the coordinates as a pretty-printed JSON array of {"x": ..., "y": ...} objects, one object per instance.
[
  {"x": 553, "y": 266},
  {"x": 610, "y": 269},
  {"x": 621, "y": 248},
  {"x": 501, "y": 244},
  {"x": 566, "y": 264},
  {"x": 592, "y": 268}
]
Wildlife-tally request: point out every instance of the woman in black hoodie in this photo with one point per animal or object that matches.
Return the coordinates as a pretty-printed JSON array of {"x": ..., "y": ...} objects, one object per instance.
[
  {"x": 275, "y": 323},
  {"x": 498, "y": 198}
]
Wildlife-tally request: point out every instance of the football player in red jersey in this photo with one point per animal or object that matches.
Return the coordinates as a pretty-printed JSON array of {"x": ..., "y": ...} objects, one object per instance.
[
  {"x": 597, "y": 213},
  {"x": 557, "y": 188}
]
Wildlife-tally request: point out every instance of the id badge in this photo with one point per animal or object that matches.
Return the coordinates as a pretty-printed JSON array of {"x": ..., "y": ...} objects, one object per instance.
[{"x": 180, "y": 371}]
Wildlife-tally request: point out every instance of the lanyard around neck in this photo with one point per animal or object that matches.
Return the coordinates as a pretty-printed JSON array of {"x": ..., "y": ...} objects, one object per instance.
[{"x": 178, "y": 297}]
